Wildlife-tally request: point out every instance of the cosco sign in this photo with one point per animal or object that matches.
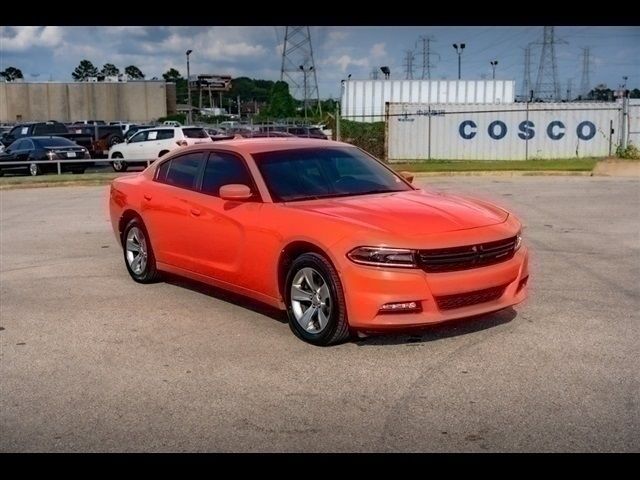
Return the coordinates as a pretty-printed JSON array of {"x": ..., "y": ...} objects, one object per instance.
[{"x": 555, "y": 130}]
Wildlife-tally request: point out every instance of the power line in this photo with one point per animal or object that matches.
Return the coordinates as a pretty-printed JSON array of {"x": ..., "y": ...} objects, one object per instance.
[{"x": 585, "y": 82}]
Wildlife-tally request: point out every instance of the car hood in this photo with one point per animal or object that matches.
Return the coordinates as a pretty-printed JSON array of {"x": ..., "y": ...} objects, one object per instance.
[{"x": 416, "y": 212}]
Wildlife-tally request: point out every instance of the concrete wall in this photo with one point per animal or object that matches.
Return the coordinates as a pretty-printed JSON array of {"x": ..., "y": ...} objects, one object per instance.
[{"x": 66, "y": 102}]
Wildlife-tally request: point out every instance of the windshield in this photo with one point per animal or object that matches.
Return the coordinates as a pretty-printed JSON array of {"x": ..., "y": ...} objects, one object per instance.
[{"x": 312, "y": 173}]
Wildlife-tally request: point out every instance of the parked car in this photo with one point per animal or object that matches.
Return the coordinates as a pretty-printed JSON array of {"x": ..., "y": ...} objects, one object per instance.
[
  {"x": 103, "y": 137},
  {"x": 152, "y": 143},
  {"x": 267, "y": 134},
  {"x": 322, "y": 230},
  {"x": 171, "y": 123},
  {"x": 217, "y": 134},
  {"x": 124, "y": 126},
  {"x": 89, "y": 122},
  {"x": 307, "y": 132},
  {"x": 51, "y": 127},
  {"x": 135, "y": 128},
  {"x": 51, "y": 148}
]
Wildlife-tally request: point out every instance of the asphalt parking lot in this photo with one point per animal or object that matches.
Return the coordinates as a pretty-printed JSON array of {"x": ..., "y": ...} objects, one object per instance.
[{"x": 91, "y": 361}]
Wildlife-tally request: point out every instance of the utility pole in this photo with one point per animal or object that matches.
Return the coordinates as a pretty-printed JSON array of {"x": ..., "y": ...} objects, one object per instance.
[
  {"x": 459, "y": 52},
  {"x": 426, "y": 56},
  {"x": 569, "y": 87},
  {"x": 494, "y": 64},
  {"x": 189, "y": 88},
  {"x": 547, "y": 84},
  {"x": 526, "y": 83},
  {"x": 408, "y": 64},
  {"x": 585, "y": 83}
]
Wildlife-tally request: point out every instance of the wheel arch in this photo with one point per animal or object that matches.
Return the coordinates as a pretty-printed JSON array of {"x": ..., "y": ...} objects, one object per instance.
[
  {"x": 290, "y": 252},
  {"x": 125, "y": 218}
]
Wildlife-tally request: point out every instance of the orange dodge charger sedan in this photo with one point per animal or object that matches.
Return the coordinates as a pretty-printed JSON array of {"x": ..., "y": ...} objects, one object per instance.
[{"x": 322, "y": 230}]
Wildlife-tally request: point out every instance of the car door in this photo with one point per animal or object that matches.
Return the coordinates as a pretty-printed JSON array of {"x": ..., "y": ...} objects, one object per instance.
[
  {"x": 134, "y": 150},
  {"x": 165, "y": 141},
  {"x": 168, "y": 209},
  {"x": 12, "y": 154},
  {"x": 224, "y": 229}
]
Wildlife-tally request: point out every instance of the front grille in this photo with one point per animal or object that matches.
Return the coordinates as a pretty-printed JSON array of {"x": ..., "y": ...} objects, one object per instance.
[
  {"x": 459, "y": 300},
  {"x": 466, "y": 257}
]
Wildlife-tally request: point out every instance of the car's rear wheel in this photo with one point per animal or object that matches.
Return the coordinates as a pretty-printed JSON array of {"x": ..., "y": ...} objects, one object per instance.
[
  {"x": 119, "y": 165},
  {"x": 138, "y": 254},
  {"x": 315, "y": 301}
]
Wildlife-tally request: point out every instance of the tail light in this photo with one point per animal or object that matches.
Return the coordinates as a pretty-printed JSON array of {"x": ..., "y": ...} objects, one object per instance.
[{"x": 182, "y": 143}]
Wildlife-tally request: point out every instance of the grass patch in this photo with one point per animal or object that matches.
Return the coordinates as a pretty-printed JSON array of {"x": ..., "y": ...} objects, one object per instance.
[
  {"x": 570, "y": 164},
  {"x": 18, "y": 181}
]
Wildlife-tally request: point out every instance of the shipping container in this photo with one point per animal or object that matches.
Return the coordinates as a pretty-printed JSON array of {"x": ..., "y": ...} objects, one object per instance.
[
  {"x": 364, "y": 100},
  {"x": 501, "y": 132}
]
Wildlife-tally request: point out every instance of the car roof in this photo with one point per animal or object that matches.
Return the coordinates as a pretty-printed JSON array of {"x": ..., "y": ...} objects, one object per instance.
[{"x": 265, "y": 144}]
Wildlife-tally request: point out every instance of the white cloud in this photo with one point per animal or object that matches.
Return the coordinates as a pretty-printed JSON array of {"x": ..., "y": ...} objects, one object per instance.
[
  {"x": 346, "y": 60},
  {"x": 379, "y": 50},
  {"x": 24, "y": 38}
]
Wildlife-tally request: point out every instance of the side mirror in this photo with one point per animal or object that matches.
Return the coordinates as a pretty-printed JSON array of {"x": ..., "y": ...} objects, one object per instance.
[
  {"x": 235, "y": 192},
  {"x": 408, "y": 176}
]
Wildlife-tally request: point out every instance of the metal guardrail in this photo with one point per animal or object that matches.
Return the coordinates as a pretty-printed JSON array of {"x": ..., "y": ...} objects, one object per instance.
[{"x": 79, "y": 160}]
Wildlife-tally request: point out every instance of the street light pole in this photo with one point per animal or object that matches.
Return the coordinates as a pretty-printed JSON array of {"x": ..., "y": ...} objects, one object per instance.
[
  {"x": 189, "y": 88},
  {"x": 459, "y": 52},
  {"x": 493, "y": 66}
]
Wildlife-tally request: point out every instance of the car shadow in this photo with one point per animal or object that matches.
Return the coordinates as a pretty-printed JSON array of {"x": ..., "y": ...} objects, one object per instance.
[
  {"x": 430, "y": 333},
  {"x": 416, "y": 335},
  {"x": 226, "y": 296}
]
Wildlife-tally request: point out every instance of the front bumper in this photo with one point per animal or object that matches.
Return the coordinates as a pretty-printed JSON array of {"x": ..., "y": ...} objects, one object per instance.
[{"x": 366, "y": 289}]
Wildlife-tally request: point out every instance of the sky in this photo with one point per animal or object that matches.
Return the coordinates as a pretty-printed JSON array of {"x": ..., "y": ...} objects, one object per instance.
[{"x": 51, "y": 53}]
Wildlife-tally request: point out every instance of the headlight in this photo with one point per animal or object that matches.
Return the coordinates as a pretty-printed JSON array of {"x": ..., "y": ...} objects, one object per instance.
[
  {"x": 518, "y": 241},
  {"x": 383, "y": 257}
]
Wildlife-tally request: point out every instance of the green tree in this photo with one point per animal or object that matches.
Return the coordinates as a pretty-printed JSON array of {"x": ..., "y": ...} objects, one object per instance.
[
  {"x": 110, "y": 70},
  {"x": 601, "y": 93},
  {"x": 85, "y": 70},
  {"x": 281, "y": 103},
  {"x": 134, "y": 72},
  {"x": 635, "y": 93},
  {"x": 173, "y": 75},
  {"x": 11, "y": 73}
]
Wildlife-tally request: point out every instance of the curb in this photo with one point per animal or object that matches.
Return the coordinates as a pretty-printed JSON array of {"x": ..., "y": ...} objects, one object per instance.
[
  {"x": 506, "y": 173},
  {"x": 17, "y": 186}
]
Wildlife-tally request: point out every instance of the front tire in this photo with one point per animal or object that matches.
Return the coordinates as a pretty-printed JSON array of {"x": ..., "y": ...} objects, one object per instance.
[
  {"x": 118, "y": 164},
  {"x": 138, "y": 254},
  {"x": 315, "y": 301},
  {"x": 35, "y": 170}
]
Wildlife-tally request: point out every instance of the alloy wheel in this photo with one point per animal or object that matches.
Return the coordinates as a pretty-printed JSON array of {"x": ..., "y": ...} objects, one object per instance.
[
  {"x": 310, "y": 300},
  {"x": 136, "y": 248}
]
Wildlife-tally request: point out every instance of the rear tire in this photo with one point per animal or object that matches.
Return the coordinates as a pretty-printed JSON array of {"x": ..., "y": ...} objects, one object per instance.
[
  {"x": 114, "y": 139},
  {"x": 318, "y": 312},
  {"x": 138, "y": 253},
  {"x": 119, "y": 165}
]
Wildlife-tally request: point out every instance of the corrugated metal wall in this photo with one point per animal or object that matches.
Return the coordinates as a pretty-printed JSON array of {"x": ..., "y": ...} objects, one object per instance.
[
  {"x": 364, "y": 100},
  {"x": 633, "y": 124},
  {"x": 501, "y": 132}
]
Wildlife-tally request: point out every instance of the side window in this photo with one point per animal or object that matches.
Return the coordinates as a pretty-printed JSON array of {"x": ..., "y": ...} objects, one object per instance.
[
  {"x": 223, "y": 169},
  {"x": 138, "y": 137},
  {"x": 183, "y": 170},
  {"x": 27, "y": 144},
  {"x": 17, "y": 132},
  {"x": 165, "y": 134},
  {"x": 161, "y": 173},
  {"x": 18, "y": 145}
]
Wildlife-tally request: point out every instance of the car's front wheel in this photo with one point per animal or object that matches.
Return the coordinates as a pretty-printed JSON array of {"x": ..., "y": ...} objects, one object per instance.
[
  {"x": 35, "y": 170},
  {"x": 118, "y": 164},
  {"x": 315, "y": 301},
  {"x": 138, "y": 254}
]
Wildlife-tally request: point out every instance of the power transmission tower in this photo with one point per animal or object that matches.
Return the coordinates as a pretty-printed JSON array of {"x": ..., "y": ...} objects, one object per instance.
[
  {"x": 585, "y": 82},
  {"x": 547, "y": 84},
  {"x": 298, "y": 68},
  {"x": 526, "y": 82},
  {"x": 408, "y": 65},
  {"x": 426, "y": 56},
  {"x": 374, "y": 73},
  {"x": 569, "y": 88}
]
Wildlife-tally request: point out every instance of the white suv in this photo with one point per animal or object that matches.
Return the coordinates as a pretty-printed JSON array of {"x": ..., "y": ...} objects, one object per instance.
[{"x": 152, "y": 143}]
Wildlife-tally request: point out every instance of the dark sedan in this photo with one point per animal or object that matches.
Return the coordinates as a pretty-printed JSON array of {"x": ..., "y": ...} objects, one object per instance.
[{"x": 29, "y": 149}]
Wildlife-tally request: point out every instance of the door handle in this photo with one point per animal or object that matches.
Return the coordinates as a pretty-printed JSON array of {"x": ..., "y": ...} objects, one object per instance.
[
  {"x": 147, "y": 196},
  {"x": 195, "y": 212}
]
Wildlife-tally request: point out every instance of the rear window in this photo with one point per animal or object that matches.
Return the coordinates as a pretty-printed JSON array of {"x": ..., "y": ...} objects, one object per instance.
[
  {"x": 194, "y": 132},
  {"x": 55, "y": 142},
  {"x": 49, "y": 128}
]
